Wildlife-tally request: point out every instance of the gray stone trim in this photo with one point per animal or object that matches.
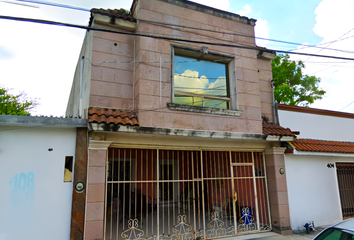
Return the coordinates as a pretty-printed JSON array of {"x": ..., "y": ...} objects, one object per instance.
[
  {"x": 99, "y": 145},
  {"x": 196, "y": 109},
  {"x": 13, "y": 120},
  {"x": 211, "y": 11},
  {"x": 175, "y": 132}
]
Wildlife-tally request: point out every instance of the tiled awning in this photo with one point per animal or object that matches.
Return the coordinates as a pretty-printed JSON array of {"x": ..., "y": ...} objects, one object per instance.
[
  {"x": 310, "y": 145},
  {"x": 112, "y": 116},
  {"x": 276, "y": 130}
]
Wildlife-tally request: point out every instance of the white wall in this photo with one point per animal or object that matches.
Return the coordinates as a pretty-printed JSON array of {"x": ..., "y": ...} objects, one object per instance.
[
  {"x": 313, "y": 190},
  {"x": 318, "y": 126},
  {"x": 35, "y": 203}
]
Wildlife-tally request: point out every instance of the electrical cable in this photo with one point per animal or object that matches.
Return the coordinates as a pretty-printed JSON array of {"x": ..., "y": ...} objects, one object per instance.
[
  {"x": 237, "y": 34},
  {"x": 100, "y": 63},
  {"x": 55, "y": 5},
  {"x": 161, "y": 37},
  {"x": 243, "y": 35},
  {"x": 331, "y": 43},
  {"x": 20, "y": 4},
  {"x": 347, "y": 106}
]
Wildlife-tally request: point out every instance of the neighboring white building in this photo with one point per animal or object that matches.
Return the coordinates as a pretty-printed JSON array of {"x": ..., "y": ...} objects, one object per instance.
[
  {"x": 35, "y": 202},
  {"x": 320, "y": 166}
]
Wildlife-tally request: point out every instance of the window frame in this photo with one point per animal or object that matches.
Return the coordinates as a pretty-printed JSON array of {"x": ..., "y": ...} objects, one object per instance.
[{"x": 230, "y": 78}]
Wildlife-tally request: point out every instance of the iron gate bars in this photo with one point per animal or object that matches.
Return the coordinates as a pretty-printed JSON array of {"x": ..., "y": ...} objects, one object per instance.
[
  {"x": 174, "y": 194},
  {"x": 345, "y": 175}
]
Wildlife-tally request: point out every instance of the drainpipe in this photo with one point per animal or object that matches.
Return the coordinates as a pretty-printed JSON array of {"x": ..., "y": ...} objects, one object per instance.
[{"x": 273, "y": 105}]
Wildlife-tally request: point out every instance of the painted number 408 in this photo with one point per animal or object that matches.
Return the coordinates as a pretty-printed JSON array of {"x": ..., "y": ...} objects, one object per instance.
[{"x": 23, "y": 181}]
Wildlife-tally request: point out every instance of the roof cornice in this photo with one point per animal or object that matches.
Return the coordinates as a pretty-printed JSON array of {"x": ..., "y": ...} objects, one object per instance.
[
  {"x": 205, "y": 9},
  {"x": 315, "y": 111}
]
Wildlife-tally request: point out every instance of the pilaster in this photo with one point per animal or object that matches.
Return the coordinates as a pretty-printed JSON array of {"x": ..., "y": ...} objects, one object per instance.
[
  {"x": 278, "y": 192},
  {"x": 96, "y": 178}
]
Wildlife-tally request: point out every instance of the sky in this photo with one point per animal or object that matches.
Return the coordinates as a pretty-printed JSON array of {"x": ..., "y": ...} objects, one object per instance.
[{"x": 41, "y": 59}]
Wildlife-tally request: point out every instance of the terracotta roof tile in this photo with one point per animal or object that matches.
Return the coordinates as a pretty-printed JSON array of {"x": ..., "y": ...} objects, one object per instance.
[
  {"x": 112, "y": 116},
  {"x": 274, "y": 129},
  {"x": 311, "y": 145},
  {"x": 115, "y": 13}
]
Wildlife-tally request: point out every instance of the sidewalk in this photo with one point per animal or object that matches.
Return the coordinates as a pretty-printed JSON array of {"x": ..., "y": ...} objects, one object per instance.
[{"x": 275, "y": 236}]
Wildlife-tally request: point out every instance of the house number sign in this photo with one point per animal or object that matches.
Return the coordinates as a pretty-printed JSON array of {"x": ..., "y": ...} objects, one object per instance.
[{"x": 330, "y": 165}]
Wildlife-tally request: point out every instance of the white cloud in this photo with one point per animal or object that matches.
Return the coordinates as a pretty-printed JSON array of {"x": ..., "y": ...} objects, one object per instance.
[
  {"x": 42, "y": 64},
  {"x": 245, "y": 10},
  {"x": 191, "y": 83},
  {"x": 337, "y": 75},
  {"x": 41, "y": 59},
  {"x": 219, "y": 87},
  {"x": 219, "y": 4},
  {"x": 261, "y": 30}
]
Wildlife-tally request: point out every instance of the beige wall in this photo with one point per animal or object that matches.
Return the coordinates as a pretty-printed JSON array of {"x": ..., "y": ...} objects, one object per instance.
[
  {"x": 137, "y": 86},
  {"x": 72, "y": 108}
]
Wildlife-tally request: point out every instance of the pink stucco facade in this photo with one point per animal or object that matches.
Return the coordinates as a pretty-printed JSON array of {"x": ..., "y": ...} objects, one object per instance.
[{"x": 130, "y": 75}]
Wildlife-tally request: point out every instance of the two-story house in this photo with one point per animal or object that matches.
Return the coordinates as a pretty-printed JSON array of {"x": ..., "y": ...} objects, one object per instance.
[{"x": 174, "y": 93}]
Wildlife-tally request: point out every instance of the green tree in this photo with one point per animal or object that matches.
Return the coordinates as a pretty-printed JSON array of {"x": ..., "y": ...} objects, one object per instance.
[
  {"x": 15, "y": 104},
  {"x": 291, "y": 86}
]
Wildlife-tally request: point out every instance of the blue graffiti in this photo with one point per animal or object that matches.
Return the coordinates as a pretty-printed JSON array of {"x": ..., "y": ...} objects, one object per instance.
[{"x": 23, "y": 181}]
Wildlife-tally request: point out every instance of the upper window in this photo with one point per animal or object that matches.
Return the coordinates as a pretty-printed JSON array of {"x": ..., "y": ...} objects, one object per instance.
[{"x": 201, "y": 82}]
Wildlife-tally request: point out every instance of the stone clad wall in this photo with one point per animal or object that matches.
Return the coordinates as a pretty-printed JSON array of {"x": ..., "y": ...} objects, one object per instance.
[
  {"x": 112, "y": 77},
  {"x": 265, "y": 77},
  {"x": 115, "y": 85},
  {"x": 147, "y": 92}
]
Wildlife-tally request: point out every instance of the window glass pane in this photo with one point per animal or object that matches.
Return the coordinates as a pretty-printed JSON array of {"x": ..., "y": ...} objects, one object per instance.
[
  {"x": 330, "y": 233},
  {"x": 195, "y": 101},
  {"x": 215, "y": 103},
  {"x": 200, "y": 77}
]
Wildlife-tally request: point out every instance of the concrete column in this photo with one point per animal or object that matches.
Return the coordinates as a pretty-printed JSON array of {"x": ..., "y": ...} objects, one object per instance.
[
  {"x": 278, "y": 192},
  {"x": 96, "y": 178}
]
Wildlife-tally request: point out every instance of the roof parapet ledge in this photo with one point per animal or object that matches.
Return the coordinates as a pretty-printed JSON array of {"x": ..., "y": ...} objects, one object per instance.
[
  {"x": 208, "y": 10},
  {"x": 104, "y": 17}
]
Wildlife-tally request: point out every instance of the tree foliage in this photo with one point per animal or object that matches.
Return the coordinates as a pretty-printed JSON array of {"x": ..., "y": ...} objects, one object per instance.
[
  {"x": 15, "y": 104},
  {"x": 291, "y": 86}
]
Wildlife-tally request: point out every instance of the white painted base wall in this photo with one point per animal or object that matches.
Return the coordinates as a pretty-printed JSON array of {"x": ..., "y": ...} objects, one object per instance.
[
  {"x": 313, "y": 190},
  {"x": 35, "y": 202}
]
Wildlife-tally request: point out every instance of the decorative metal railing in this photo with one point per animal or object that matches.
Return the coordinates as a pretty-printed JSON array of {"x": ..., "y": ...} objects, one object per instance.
[{"x": 173, "y": 194}]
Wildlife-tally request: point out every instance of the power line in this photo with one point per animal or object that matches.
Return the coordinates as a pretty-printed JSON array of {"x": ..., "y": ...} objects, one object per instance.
[
  {"x": 20, "y": 4},
  {"x": 242, "y": 35},
  {"x": 161, "y": 23},
  {"x": 93, "y": 64},
  {"x": 347, "y": 106},
  {"x": 55, "y": 5},
  {"x": 161, "y": 37},
  {"x": 332, "y": 42}
]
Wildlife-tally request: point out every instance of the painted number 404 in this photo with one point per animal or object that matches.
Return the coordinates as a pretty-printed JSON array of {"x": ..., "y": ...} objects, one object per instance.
[{"x": 23, "y": 181}]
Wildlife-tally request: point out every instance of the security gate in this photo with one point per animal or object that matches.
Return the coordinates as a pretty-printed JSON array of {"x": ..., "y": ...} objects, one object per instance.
[
  {"x": 173, "y": 194},
  {"x": 345, "y": 175}
]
